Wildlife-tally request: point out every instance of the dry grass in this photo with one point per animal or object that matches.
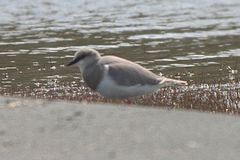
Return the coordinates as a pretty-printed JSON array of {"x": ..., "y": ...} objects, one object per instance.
[{"x": 212, "y": 98}]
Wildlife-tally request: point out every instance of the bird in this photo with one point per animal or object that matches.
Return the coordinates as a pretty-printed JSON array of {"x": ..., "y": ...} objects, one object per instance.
[{"x": 117, "y": 78}]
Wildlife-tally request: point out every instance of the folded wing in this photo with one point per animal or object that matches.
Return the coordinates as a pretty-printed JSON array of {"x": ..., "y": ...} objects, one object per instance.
[{"x": 127, "y": 73}]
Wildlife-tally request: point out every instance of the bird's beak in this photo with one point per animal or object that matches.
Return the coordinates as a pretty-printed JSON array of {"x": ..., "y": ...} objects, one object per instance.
[{"x": 72, "y": 62}]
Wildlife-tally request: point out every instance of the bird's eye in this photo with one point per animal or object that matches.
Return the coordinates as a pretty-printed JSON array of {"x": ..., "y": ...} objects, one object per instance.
[
  {"x": 81, "y": 57},
  {"x": 77, "y": 59}
]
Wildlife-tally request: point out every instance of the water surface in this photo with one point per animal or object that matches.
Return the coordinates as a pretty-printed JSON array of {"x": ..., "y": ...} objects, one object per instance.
[{"x": 194, "y": 41}]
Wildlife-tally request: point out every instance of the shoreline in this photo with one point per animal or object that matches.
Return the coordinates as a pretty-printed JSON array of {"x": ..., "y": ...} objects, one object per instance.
[
  {"x": 40, "y": 129},
  {"x": 223, "y": 98}
]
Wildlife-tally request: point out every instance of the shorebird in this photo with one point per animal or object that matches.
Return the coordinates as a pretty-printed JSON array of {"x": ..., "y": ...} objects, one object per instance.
[{"x": 118, "y": 78}]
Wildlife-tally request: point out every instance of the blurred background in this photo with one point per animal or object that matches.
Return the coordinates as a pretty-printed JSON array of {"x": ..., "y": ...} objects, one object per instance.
[{"x": 197, "y": 41}]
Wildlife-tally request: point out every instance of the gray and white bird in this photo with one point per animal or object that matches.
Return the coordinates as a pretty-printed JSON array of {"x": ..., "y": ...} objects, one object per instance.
[{"x": 118, "y": 78}]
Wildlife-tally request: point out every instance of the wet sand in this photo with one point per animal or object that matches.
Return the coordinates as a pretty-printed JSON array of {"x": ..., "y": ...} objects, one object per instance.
[{"x": 49, "y": 130}]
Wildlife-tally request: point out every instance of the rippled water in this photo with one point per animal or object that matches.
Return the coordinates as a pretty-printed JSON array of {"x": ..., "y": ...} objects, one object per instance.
[{"x": 196, "y": 41}]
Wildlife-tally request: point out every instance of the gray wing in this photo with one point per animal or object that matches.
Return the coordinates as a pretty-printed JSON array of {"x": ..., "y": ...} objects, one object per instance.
[{"x": 127, "y": 73}]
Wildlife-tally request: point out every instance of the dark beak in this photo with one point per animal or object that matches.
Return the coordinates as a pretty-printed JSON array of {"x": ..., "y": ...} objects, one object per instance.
[{"x": 72, "y": 62}]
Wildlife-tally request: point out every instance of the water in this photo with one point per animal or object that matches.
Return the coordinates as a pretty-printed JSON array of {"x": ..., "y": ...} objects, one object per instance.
[{"x": 194, "y": 41}]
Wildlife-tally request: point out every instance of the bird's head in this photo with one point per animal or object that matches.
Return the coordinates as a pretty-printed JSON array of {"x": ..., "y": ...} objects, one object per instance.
[{"x": 85, "y": 57}]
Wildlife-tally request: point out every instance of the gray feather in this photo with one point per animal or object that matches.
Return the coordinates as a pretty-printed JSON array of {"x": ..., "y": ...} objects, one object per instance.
[
  {"x": 93, "y": 76},
  {"x": 127, "y": 73}
]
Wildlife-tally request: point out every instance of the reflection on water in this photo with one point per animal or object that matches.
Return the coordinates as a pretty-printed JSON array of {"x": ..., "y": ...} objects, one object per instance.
[{"x": 196, "y": 41}]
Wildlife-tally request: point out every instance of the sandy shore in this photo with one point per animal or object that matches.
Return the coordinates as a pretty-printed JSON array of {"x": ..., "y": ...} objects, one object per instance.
[{"x": 43, "y": 130}]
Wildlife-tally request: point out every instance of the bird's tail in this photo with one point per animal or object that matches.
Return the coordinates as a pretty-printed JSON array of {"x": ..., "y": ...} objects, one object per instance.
[{"x": 165, "y": 82}]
